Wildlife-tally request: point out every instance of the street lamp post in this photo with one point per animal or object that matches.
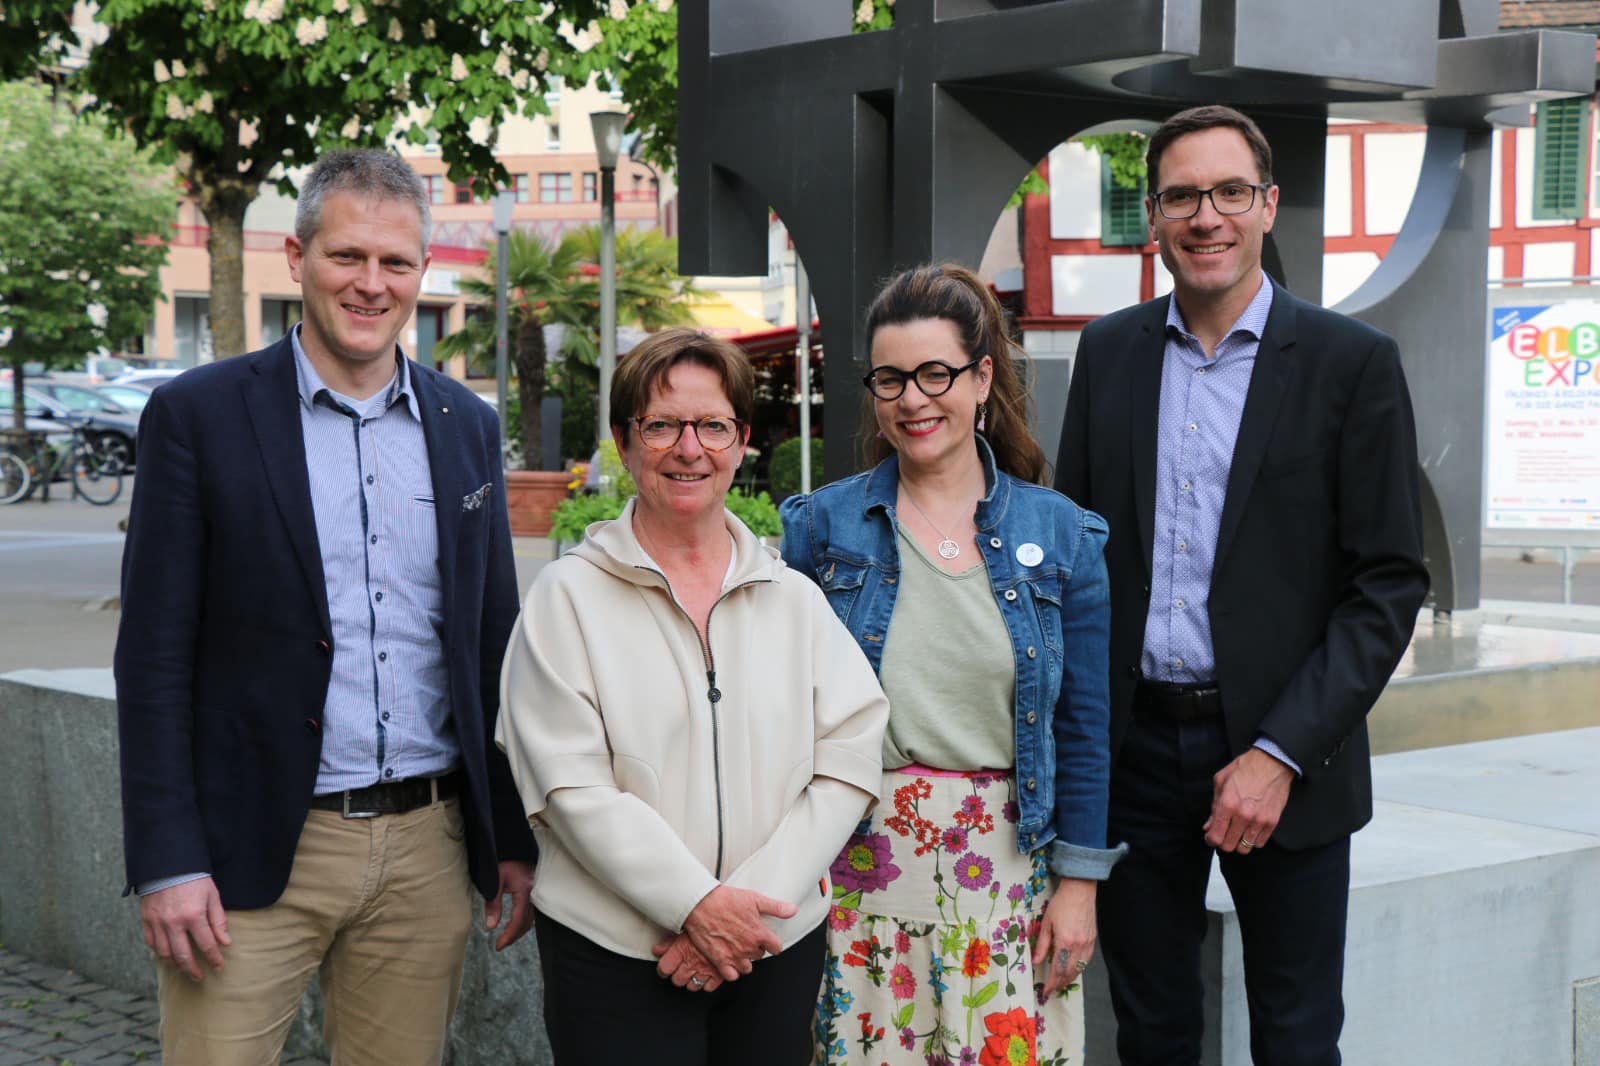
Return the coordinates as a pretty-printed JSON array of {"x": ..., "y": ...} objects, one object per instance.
[
  {"x": 607, "y": 140},
  {"x": 502, "y": 228}
]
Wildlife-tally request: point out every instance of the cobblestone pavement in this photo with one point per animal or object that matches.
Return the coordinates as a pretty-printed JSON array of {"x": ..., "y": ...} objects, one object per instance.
[{"x": 55, "y": 1016}]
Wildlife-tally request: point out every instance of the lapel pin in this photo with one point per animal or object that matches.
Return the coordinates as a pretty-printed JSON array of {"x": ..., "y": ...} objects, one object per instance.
[{"x": 444, "y": 410}]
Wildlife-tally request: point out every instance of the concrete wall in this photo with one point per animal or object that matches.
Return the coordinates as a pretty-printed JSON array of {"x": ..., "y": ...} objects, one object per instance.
[{"x": 61, "y": 875}]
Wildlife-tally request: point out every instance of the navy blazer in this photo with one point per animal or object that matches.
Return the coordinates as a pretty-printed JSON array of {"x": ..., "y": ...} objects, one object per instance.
[
  {"x": 1319, "y": 571},
  {"x": 224, "y": 650}
]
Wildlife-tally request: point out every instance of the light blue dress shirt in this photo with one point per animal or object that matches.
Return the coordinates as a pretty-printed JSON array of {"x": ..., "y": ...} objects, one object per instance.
[
  {"x": 387, "y": 715},
  {"x": 1201, "y": 405}
]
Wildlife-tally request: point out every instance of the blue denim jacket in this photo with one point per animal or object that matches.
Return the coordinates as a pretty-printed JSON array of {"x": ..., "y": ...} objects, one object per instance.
[{"x": 1056, "y": 607}]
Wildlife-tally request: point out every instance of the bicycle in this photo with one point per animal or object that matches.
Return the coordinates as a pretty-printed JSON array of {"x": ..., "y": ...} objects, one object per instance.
[{"x": 95, "y": 475}]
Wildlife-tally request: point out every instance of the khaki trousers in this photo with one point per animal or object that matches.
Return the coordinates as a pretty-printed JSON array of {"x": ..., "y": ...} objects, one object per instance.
[{"x": 379, "y": 908}]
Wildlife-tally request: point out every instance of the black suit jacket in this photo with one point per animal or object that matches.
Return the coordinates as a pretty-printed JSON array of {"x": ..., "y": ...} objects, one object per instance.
[
  {"x": 224, "y": 651},
  {"x": 1319, "y": 571}
]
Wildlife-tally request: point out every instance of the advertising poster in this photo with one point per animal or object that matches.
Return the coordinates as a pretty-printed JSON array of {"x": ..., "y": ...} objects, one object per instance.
[{"x": 1542, "y": 442}]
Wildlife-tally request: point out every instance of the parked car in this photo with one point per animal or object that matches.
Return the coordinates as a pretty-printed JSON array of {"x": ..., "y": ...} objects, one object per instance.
[
  {"x": 154, "y": 376},
  {"x": 81, "y": 398},
  {"x": 112, "y": 433},
  {"x": 130, "y": 397}
]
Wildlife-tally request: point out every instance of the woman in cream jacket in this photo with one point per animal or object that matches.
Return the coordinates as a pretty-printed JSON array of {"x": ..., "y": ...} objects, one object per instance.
[{"x": 694, "y": 735}]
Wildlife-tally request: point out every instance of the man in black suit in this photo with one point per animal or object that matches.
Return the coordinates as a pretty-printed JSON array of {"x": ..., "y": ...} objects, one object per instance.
[
  {"x": 318, "y": 587},
  {"x": 1255, "y": 456}
]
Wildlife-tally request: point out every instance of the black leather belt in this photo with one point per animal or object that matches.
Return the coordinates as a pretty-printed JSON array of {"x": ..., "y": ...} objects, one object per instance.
[
  {"x": 394, "y": 797},
  {"x": 1176, "y": 703}
]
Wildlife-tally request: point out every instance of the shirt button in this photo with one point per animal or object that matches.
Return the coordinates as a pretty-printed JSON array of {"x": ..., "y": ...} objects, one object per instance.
[
  {"x": 374, "y": 538},
  {"x": 388, "y": 773},
  {"x": 1201, "y": 372},
  {"x": 1178, "y": 604},
  {"x": 383, "y": 656},
  {"x": 385, "y": 716},
  {"x": 1178, "y": 663},
  {"x": 378, "y": 596},
  {"x": 1011, "y": 594},
  {"x": 1133, "y": 671},
  {"x": 1183, "y": 545},
  {"x": 1032, "y": 717},
  {"x": 1193, "y": 427},
  {"x": 1184, "y": 485},
  {"x": 994, "y": 542},
  {"x": 1033, "y": 653},
  {"x": 1030, "y": 784},
  {"x": 370, "y": 479}
]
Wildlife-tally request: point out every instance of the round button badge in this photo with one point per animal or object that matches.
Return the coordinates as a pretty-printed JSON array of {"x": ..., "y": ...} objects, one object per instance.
[{"x": 1030, "y": 554}]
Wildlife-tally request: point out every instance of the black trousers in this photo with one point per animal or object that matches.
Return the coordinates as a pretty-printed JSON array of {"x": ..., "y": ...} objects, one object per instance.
[
  {"x": 605, "y": 1009},
  {"x": 1291, "y": 907}
]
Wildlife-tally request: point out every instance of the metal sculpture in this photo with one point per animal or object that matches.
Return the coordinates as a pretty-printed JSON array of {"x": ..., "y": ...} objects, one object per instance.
[{"x": 898, "y": 146}]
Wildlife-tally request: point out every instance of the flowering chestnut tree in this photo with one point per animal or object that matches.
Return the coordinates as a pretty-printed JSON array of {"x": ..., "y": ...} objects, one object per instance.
[{"x": 235, "y": 93}]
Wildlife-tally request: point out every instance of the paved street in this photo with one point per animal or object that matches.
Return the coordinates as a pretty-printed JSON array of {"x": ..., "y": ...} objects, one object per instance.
[
  {"x": 56, "y": 1016},
  {"x": 60, "y": 566}
]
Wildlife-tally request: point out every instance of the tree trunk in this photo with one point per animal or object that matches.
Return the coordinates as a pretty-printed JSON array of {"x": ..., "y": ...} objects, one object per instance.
[
  {"x": 19, "y": 423},
  {"x": 224, "y": 210},
  {"x": 530, "y": 356}
]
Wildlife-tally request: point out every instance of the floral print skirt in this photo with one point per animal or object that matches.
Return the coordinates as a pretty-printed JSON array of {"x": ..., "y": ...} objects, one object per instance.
[{"x": 931, "y": 930}]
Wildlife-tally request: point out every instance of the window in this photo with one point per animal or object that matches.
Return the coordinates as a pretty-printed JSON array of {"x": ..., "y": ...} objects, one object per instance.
[
  {"x": 519, "y": 188},
  {"x": 437, "y": 183},
  {"x": 1122, "y": 217},
  {"x": 555, "y": 188},
  {"x": 552, "y": 137},
  {"x": 464, "y": 193},
  {"x": 591, "y": 186},
  {"x": 1560, "y": 149}
]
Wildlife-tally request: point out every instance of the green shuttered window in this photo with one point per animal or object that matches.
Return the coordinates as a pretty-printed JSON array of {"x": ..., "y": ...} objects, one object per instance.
[
  {"x": 1122, "y": 218},
  {"x": 1560, "y": 157}
]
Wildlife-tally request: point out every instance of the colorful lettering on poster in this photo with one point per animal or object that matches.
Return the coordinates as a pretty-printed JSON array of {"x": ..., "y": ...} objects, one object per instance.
[{"x": 1556, "y": 357}]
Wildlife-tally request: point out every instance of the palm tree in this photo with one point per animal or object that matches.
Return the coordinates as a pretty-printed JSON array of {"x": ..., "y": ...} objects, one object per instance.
[{"x": 558, "y": 284}]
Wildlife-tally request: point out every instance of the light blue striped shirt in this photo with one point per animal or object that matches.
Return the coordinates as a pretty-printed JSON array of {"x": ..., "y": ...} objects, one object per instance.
[
  {"x": 387, "y": 715},
  {"x": 1201, "y": 405}
]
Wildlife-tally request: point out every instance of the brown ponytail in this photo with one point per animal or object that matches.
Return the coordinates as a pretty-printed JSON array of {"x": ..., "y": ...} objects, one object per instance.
[{"x": 955, "y": 294}]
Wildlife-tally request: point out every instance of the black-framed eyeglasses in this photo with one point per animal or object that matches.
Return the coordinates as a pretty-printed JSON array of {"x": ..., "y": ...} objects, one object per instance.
[
  {"x": 717, "y": 433},
  {"x": 934, "y": 378},
  {"x": 1229, "y": 198}
]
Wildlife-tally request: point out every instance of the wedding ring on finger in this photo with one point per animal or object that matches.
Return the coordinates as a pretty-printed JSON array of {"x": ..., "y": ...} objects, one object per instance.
[
  {"x": 1245, "y": 845},
  {"x": 697, "y": 982},
  {"x": 1082, "y": 965}
]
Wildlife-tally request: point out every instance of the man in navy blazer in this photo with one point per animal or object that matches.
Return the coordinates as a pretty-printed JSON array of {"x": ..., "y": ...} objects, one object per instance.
[
  {"x": 1256, "y": 459},
  {"x": 318, "y": 587}
]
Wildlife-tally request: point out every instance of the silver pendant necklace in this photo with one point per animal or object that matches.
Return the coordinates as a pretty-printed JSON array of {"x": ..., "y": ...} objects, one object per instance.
[{"x": 948, "y": 548}]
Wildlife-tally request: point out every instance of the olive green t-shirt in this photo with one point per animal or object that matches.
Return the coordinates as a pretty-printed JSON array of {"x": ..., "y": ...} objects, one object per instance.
[{"x": 947, "y": 669}]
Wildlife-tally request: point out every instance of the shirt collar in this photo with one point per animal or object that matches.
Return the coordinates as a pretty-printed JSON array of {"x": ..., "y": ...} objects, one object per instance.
[
  {"x": 310, "y": 383},
  {"x": 1253, "y": 320}
]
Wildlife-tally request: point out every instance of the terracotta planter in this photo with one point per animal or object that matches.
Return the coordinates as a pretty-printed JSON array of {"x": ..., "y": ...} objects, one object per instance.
[{"x": 530, "y": 497}]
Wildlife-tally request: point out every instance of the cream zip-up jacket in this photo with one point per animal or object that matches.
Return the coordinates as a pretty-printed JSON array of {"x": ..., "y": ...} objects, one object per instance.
[{"x": 650, "y": 774}]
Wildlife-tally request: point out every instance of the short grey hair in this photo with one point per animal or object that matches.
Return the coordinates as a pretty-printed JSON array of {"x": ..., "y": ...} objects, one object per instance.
[{"x": 361, "y": 170}]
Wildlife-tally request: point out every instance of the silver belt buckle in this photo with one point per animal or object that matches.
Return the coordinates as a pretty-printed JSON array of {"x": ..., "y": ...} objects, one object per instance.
[{"x": 348, "y": 813}]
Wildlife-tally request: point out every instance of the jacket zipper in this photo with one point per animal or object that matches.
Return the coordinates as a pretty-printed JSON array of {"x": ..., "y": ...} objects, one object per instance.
[{"x": 713, "y": 696}]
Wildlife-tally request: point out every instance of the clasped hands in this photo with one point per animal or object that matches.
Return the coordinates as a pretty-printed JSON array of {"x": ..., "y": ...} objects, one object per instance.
[{"x": 722, "y": 937}]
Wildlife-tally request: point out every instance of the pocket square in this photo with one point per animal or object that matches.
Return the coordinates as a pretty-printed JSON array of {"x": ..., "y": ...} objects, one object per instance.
[{"x": 474, "y": 500}]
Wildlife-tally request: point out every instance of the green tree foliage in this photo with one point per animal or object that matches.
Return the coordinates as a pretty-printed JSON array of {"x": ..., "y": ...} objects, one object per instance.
[
  {"x": 557, "y": 283},
  {"x": 82, "y": 214},
  {"x": 234, "y": 92},
  {"x": 32, "y": 32},
  {"x": 1123, "y": 153},
  {"x": 637, "y": 48}
]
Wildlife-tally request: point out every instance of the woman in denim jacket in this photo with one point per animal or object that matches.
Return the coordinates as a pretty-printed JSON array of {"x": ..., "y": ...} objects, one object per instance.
[{"x": 963, "y": 911}]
